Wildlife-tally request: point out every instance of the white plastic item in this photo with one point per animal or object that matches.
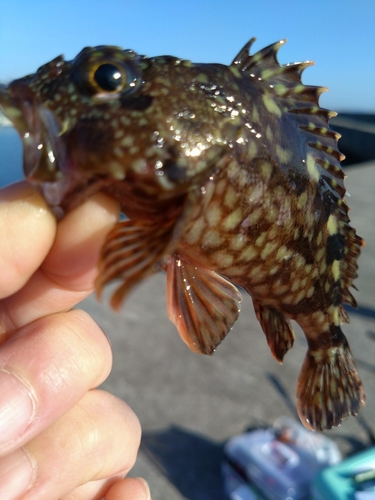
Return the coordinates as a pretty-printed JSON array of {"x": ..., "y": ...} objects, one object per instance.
[{"x": 280, "y": 461}]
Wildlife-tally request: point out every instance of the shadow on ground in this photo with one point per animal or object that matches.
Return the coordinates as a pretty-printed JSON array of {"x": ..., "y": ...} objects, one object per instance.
[{"x": 189, "y": 461}]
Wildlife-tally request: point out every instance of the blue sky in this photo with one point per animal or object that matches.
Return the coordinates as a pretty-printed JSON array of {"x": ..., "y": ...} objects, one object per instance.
[{"x": 339, "y": 35}]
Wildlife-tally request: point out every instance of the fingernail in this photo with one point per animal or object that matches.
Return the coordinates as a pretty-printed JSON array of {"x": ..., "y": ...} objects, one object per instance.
[
  {"x": 16, "y": 408},
  {"x": 16, "y": 475},
  {"x": 147, "y": 488}
]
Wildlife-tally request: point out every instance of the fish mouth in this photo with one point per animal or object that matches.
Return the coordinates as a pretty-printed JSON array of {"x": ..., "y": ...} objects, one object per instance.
[{"x": 44, "y": 150}]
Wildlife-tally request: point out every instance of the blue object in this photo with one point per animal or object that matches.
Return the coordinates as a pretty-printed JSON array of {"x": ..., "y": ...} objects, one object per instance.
[{"x": 352, "y": 479}]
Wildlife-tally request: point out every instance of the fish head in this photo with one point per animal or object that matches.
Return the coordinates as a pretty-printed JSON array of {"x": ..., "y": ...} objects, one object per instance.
[{"x": 112, "y": 116}]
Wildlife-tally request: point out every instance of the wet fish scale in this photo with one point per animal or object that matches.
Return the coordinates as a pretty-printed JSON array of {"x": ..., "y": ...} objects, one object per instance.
[{"x": 229, "y": 175}]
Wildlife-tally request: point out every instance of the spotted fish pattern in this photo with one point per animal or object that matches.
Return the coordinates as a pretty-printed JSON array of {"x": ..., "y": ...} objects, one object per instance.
[{"x": 228, "y": 175}]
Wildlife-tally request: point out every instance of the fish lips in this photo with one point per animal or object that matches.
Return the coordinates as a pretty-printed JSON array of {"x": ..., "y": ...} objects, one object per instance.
[{"x": 44, "y": 151}]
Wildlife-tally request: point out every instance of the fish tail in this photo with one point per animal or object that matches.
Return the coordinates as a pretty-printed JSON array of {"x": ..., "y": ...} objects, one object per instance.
[{"x": 329, "y": 388}]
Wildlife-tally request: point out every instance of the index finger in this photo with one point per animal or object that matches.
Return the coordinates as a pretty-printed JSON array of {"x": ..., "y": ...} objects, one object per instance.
[{"x": 66, "y": 275}]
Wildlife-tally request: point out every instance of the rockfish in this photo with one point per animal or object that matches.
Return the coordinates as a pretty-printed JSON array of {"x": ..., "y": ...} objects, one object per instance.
[{"x": 227, "y": 175}]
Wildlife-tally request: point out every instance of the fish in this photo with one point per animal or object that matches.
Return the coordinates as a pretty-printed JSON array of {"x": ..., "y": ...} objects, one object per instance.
[{"x": 228, "y": 177}]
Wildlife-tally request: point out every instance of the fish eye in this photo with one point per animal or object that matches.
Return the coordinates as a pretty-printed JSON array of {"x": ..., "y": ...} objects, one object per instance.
[
  {"x": 106, "y": 78},
  {"x": 109, "y": 77}
]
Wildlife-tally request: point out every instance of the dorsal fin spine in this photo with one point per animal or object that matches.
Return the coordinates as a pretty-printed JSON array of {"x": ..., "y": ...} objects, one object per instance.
[{"x": 284, "y": 84}]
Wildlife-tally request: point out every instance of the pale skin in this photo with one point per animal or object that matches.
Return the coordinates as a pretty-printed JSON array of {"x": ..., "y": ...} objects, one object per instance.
[{"x": 60, "y": 437}]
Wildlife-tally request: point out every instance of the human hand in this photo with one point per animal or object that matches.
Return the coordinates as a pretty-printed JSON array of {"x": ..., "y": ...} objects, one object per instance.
[{"x": 60, "y": 438}]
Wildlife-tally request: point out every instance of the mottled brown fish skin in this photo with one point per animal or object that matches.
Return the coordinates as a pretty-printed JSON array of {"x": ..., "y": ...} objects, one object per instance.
[{"x": 228, "y": 175}]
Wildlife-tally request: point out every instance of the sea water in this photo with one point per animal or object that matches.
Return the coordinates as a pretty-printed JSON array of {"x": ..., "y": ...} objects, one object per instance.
[{"x": 10, "y": 156}]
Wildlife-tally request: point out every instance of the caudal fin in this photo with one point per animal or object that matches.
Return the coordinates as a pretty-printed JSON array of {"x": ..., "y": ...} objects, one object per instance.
[{"x": 329, "y": 388}]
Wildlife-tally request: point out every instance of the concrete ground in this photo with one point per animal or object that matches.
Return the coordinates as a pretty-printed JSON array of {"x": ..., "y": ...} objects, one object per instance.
[{"x": 189, "y": 405}]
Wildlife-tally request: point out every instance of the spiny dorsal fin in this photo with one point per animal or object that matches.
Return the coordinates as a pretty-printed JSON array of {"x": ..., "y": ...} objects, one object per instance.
[
  {"x": 282, "y": 80},
  {"x": 300, "y": 103},
  {"x": 284, "y": 84}
]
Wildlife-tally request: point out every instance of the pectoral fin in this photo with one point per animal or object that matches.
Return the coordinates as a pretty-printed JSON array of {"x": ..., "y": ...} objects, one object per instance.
[
  {"x": 202, "y": 304},
  {"x": 133, "y": 250}
]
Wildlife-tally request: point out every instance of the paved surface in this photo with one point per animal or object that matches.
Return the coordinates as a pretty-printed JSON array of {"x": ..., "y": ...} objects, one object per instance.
[{"x": 189, "y": 405}]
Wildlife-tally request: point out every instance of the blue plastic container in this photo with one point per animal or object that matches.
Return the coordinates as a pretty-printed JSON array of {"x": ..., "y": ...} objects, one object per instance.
[{"x": 352, "y": 479}]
